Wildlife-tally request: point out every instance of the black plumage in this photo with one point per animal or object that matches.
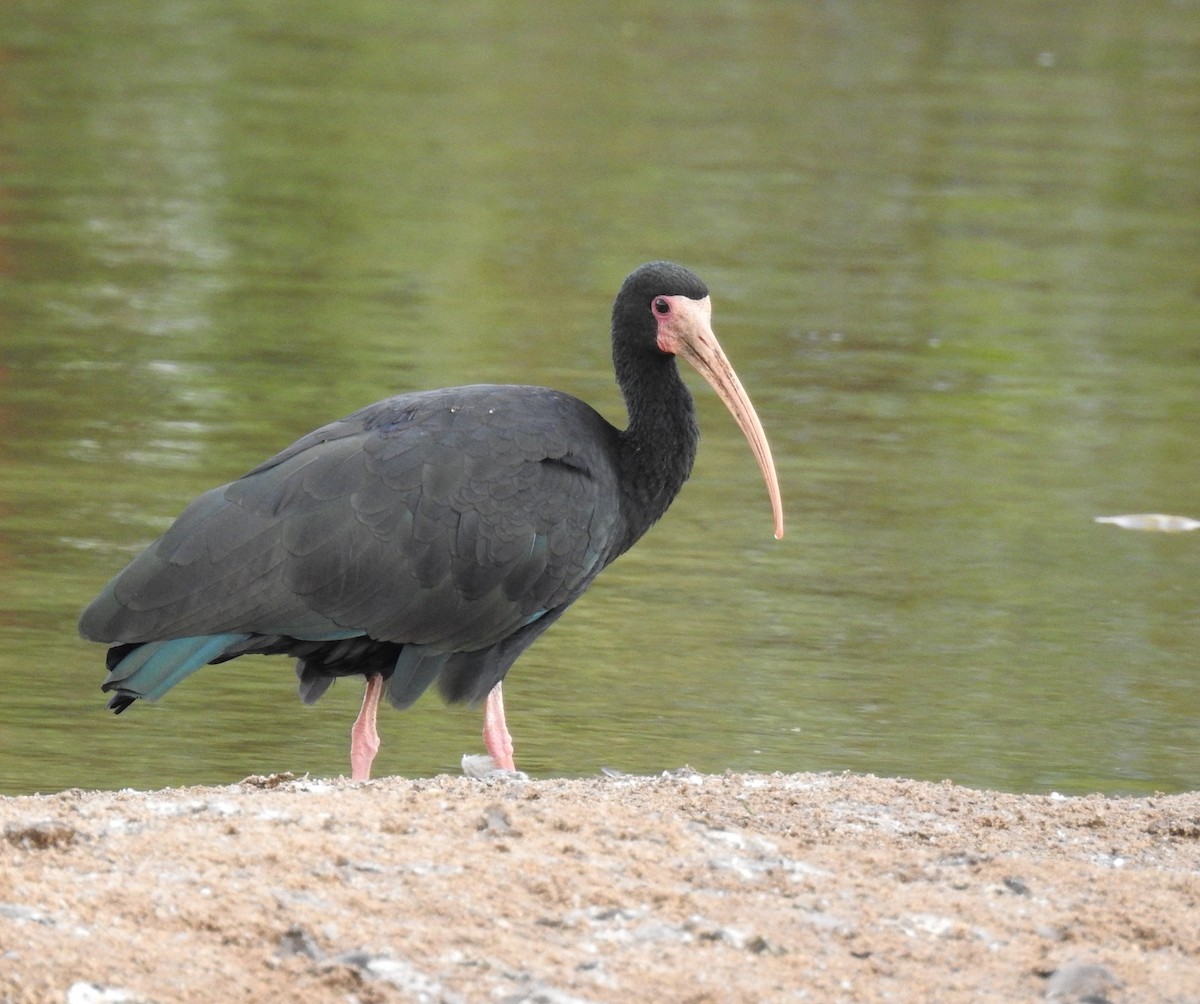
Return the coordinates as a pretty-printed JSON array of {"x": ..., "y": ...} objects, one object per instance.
[{"x": 430, "y": 536}]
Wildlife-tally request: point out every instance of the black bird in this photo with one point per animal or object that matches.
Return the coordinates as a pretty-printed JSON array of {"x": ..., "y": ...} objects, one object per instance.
[{"x": 433, "y": 535}]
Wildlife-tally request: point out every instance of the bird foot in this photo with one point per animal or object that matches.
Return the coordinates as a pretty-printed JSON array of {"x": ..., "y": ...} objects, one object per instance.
[{"x": 483, "y": 768}]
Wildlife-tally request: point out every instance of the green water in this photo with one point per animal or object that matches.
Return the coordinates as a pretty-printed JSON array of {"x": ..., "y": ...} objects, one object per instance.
[{"x": 954, "y": 250}]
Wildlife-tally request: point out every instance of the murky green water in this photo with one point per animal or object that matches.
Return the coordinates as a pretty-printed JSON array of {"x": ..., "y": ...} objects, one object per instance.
[{"x": 955, "y": 254}]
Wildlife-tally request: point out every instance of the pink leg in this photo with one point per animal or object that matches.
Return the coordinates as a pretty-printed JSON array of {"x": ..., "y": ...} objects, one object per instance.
[
  {"x": 495, "y": 732},
  {"x": 364, "y": 739}
]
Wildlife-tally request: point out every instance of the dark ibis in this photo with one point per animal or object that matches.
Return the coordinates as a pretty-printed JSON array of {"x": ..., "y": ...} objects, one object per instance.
[{"x": 430, "y": 536}]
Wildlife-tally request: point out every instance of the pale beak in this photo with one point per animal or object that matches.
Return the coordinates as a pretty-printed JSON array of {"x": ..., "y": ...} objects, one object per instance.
[{"x": 693, "y": 338}]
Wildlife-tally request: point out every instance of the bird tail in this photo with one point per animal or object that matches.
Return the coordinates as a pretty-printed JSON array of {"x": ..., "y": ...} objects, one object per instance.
[{"x": 151, "y": 669}]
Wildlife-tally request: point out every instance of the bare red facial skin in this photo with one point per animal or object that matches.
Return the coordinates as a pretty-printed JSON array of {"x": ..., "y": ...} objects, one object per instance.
[{"x": 666, "y": 309}]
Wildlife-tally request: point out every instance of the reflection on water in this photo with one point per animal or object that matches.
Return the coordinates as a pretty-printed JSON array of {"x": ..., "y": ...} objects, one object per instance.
[{"x": 952, "y": 252}]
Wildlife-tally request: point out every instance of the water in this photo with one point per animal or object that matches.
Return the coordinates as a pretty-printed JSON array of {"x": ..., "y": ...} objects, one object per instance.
[{"x": 952, "y": 249}]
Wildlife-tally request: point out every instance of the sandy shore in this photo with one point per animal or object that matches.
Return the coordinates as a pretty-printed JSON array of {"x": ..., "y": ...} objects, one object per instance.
[{"x": 681, "y": 888}]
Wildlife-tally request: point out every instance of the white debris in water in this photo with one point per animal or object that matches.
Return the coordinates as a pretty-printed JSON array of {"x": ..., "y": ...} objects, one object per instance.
[{"x": 1152, "y": 521}]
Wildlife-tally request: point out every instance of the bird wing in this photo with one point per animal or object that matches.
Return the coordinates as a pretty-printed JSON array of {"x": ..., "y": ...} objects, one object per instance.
[{"x": 447, "y": 519}]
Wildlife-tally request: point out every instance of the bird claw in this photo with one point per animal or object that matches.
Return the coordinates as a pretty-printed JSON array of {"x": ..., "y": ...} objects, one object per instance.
[{"x": 483, "y": 768}]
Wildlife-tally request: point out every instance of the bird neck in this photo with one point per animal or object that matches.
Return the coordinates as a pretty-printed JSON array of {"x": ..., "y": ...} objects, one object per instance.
[{"x": 659, "y": 446}]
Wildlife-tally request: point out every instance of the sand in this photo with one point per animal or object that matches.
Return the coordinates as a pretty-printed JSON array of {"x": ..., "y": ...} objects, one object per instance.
[{"x": 680, "y": 888}]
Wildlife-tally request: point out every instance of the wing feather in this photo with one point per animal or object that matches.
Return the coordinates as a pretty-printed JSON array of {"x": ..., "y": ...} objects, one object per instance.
[{"x": 449, "y": 519}]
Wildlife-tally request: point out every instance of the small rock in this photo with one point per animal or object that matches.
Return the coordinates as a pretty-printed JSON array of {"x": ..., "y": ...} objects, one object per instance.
[
  {"x": 16, "y": 911},
  {"x": 495, "y": 823},
  {"x": 547, "y": 995},
  {"x": 1079, "y": 982},
  {"x": 268, "y": 780},
  {"x": 297, "y": 941},
  {"x": 707, "y": 930},
  {"x": 1014, "y": 884},
  {"x": 402, "y": 975},
  {"x": 829, "y": 922},
  {"x": 91, "y": 993},
  {"x": 483, "y": 768},
  {"x": 40, "y": 836},
  {"x": 760, "y": 946}
]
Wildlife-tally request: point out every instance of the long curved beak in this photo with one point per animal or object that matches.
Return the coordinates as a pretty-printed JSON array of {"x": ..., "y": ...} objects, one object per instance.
[{"x": 694, "y": 340}]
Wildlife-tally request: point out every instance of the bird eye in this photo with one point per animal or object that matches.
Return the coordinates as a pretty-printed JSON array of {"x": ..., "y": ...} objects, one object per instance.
[{"x": 661, "y": 306}]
